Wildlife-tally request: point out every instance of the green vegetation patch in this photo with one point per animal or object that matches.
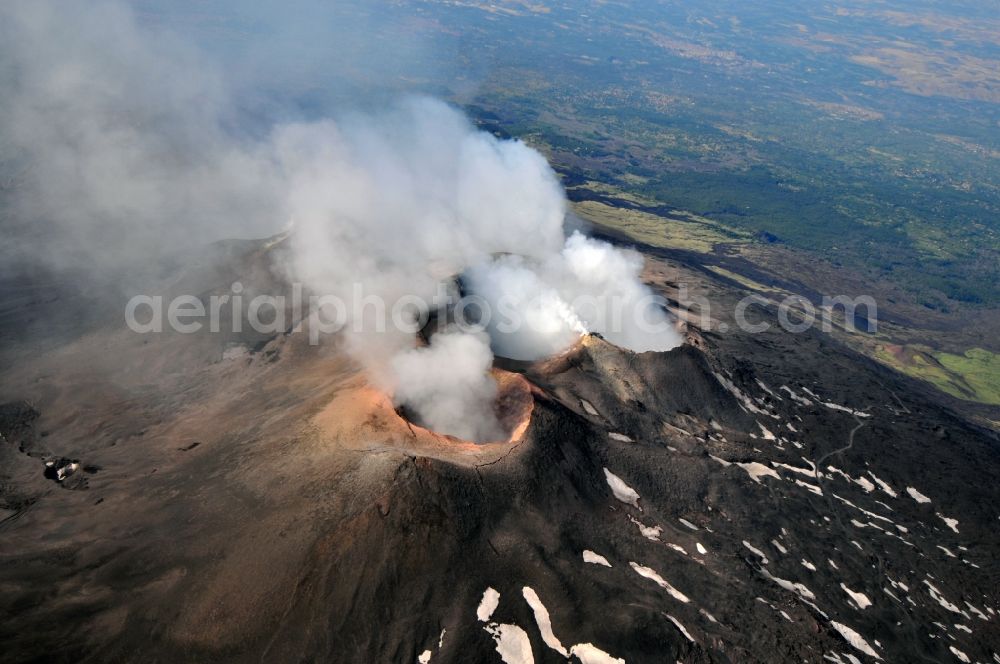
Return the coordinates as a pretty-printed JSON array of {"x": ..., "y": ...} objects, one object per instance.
[
  {"x": 974, "y": 376},
  {"x": 980, "y": 369},
  {"x": 657, "y": 231}
]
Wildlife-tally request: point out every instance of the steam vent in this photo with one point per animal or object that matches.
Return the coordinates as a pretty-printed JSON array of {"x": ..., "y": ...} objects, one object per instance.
[{"x": 512, "y": 407}]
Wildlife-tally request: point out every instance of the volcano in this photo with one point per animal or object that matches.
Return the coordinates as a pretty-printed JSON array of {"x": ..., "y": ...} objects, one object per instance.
[{"x": 247, "y": 497}]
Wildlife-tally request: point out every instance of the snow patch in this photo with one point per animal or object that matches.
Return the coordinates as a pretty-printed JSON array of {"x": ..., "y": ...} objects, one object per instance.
[
  {"x": 899, "y": 584},
  {"x": 622, "y": 491},
  {"x": 866, "y": 512},
  {"x": 650, "y": 574},
  {"x": 812, "y": 488},
  {"x": 808, "y": 472},
  {"x": 512, "y": 642},
  {"x": 489, "y": 603},
  {"x": 883, "y": 485},
  {"x": 758, "y": 470},
  {"x": 856, "y": 413},
  {"x": 679, "y": 626},
  {"x": 835, "y": 658},
  {"x": 962, "y": 657},
  {"x": 862, "y": 481},
  {"x": 744, "y": 400},
  {"x": 543, "y": 621},
  {"x": 793, "y": 586},
  {"x": 588, "y": 653},
  {"x": 594, "y": 558},
  {"x": 979, "y": 614},
  {"x": 855, "y": 639},
  {"x": 860, "y": 599},
  {"x": 620, "y": 437},
  {"x": 766, "y": 388},
  {"x": 651, "y": 533},
  {"x": 951, "y": 523},
  {"x": 865, "y": 484},
  {"x": 802, "y": 401},
  {"x": 588, "y": 407},
  {"x": 917, "y": 496},
  {"x": 939, "y": 598},
  {"x": 756, "y": 551}
]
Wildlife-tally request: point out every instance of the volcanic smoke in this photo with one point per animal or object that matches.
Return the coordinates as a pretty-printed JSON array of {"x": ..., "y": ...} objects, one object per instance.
[{"x": 400, "y": 201}]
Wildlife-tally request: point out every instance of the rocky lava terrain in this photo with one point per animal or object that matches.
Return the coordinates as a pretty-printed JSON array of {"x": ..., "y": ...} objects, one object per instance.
[{"x": 238, "y": 497}]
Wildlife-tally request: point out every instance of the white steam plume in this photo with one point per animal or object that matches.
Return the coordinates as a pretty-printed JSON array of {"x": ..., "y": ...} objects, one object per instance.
[
  {"x": 403, "y": 198},
  {"x": 444, "y": 383},
  {"x": 411, "y": 196},
  {"x": 604, "y": 283},
  {"x": 400, "y": 202},
  {"x": 530, "y": 319},
  {"x": 589, "y": 286},
  {"x": 123, "y": 150}
]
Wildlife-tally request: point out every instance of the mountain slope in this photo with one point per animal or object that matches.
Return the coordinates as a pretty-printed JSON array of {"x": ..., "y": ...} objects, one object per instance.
[{"x": 765, "y": 498}]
